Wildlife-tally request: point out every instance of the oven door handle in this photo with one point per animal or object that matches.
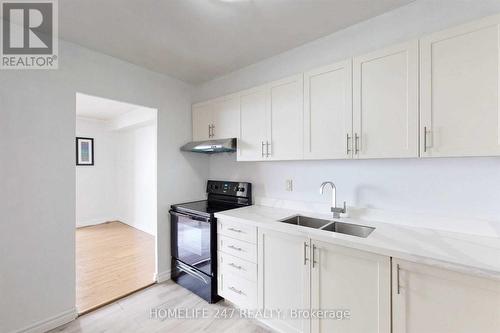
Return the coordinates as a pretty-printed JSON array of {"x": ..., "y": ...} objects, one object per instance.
[
  {"x": 188, "y": 270},
  {"x": 191, "y": 217}
]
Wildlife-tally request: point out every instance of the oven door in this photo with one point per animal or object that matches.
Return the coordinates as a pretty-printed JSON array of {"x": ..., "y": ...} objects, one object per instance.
[{"x": 191, "y": 240}]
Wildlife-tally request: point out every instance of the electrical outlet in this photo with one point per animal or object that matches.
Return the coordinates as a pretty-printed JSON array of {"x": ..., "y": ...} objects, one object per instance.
[{"x": 289, "y": 185}]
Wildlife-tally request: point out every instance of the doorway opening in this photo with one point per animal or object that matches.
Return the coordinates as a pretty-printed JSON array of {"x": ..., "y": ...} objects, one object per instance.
[{"x": 116, "y": 200}]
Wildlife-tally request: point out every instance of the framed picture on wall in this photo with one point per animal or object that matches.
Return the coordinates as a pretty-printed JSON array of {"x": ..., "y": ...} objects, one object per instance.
[{"x": 84, "y": 151}]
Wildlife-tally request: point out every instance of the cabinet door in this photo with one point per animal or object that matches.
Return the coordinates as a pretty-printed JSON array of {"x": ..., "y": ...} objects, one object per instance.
[
  {"x": 328, "y": 112},
  {"x": 202, "y": 118},
  {"x": 460, "y": 91},
  {"x": 285, "y": 119},
  {"x": 252, "y": 135},
  {"x": 356, "y": 281},
  {"x": 385, "y": 103},
  {"x": 226, "y": 117},
  {"x": 284, "y": 278},
  {"x": 433, "y": 300}
]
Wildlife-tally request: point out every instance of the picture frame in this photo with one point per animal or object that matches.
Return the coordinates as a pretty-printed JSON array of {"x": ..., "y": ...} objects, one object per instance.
[{"x": 84, "y": 151}]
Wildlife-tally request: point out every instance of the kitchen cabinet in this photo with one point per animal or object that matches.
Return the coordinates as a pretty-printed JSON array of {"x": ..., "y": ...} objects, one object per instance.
[
  {"x": 296, "y": 272},
  {"x": 459, "y": 91},
  {"x": 252, "y": 138},
  {"x": 433, "y": 300},
  {"x": 237, "y": 263},
  {"x": 385, "y": 102},
  {"x": 285, "y": 119},
  {"x": 226, "y": 117},
  {"x": 284, "y": 278},
  {"x": 202, "y": 114},
  {"x": 328, "y": 112},
  {"x": 376, "y": 106},
  {"x": 271, "y": 121},
  {"x": 217, "y": 119},
  {"x": 357, "y": 281}
]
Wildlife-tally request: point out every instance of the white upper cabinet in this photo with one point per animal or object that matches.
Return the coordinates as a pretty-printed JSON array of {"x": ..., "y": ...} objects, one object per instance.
[
  {"x": 370, "y": 107},
  {"x": 285, "y": 119},
  {"x": 284, "y": 278},
  {"x": 328, "y": 112},
  {"x": 460, "y": 91},
  {"x": 252, "y": 137},
  {"x": 433, "y": 300},
  {"x": 385, "y": 102},
  {"x": 357, "y": 281},
  {"x": 217, "y": 119},
  {"x": 202, "y": 121},
  {"x": 226, "y": 117}
]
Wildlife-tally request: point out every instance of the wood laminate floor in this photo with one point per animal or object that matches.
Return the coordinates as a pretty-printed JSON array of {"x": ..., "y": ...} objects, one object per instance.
[
  {"x": 134, "y": 314},
  {"x": 112, "y": 260}
]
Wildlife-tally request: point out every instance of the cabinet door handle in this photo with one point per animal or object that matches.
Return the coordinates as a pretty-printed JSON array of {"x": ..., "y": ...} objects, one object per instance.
[
  {"x": 267, "y": 149},
  {"x": 398, "y": 289},
  {"x": 236, "y": 290},
  {"x": 262, "y": 148},
  {"x": 235, "y": 266},
  {"x": 348, "y": 149},
  {"x": 425, "y": 138},
  {"x": 209, "y": 131},
  {"x": 235, "y": 248},
  {"x": 213, "y": 130},
  {"x": 314, "y": 255},
  {"x": 305, "y": 253},
  {"x": 356, "y": 143},
  {"x": 235, "y": 230}
]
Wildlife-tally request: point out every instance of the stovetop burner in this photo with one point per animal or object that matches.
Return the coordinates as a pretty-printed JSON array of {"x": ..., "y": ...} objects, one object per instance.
[
  {"x": 222, "y": 196},
  {"x": 204, "y": 207}
]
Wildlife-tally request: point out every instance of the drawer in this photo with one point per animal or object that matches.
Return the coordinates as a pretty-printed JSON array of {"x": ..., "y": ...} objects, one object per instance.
[
  {"x": 239, "y": 291},
  {"x": 237, "y": 266},
  {"x": 237, "y": 230},
  {"x": 237, "y": 248}
]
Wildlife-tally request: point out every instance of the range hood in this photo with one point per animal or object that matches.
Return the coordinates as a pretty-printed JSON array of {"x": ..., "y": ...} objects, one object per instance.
[{"x": 211, "y": 146}]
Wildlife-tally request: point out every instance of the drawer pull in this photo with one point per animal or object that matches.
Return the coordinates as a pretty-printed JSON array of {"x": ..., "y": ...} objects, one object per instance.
[
  {"x": 233, "y": 289},
  {"x": 235, "y": 248},
  {"x": 235, "y": 266},
  {"x": 235, "y": 230}
]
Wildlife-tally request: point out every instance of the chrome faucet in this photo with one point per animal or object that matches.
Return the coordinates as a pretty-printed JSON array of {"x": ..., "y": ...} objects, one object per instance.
[{"x": 335, "y": 210}]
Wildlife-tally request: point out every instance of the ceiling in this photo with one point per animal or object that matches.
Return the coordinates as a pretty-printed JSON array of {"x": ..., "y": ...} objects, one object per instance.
[
  {"x": 199, "y": 40},
  {"x": 102, "y": 108}
]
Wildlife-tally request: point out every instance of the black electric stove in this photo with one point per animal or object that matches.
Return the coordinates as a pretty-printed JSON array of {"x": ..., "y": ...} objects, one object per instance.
[{"x": 194, "y": 236}]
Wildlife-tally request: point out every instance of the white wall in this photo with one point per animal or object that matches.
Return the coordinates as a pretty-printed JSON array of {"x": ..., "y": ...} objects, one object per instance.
[
  {"x": 457, "y": 188},
  {"x": 136, "y": 177},
  {"x": 96, "y": 185},
  {"x": 37, "y": 173},
  {"x": 460, "y": 188},
  {"x": 121, "y": 185}
]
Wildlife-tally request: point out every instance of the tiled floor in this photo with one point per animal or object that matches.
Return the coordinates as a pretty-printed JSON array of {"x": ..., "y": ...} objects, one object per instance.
[{"x": 134, "y": 314}]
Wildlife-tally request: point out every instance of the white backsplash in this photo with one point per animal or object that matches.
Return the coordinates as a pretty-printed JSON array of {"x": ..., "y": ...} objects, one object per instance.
[{"x": 455, "y": 194}]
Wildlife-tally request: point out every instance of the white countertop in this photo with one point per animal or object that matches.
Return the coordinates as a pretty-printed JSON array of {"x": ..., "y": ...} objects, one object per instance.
[{"x": 473, "y": 254}]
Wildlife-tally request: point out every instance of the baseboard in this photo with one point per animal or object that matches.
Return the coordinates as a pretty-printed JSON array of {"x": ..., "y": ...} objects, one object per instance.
[
  {"x": 89, "y": 223},
  {"x": 50, "y": 323},
  {"x": 163, "y": 276}
]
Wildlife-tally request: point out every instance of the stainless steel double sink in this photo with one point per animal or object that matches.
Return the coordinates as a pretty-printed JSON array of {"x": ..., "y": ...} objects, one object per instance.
[{"x": 328, "y": 225}]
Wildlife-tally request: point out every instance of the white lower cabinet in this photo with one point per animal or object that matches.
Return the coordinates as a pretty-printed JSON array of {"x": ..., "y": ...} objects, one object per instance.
[
  {"x": 353, "y": 284},
  {"x": 237, "y": 263},
  {"x": 433, "y": 300},
  {"x": 284, "y": 278},
  {"x": 319, "y": 287},
  {"x": 314, "y": 286}
]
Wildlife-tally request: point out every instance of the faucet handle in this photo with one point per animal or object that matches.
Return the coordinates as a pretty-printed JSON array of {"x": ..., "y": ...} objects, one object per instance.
[{"x": 342, "y": 210}]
